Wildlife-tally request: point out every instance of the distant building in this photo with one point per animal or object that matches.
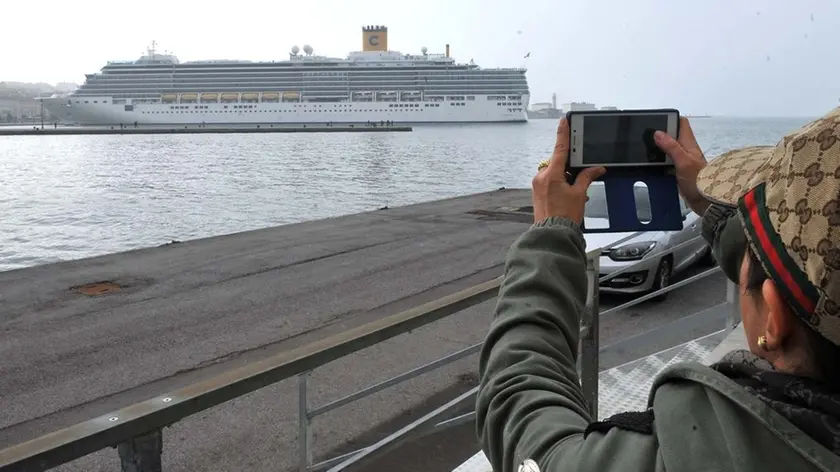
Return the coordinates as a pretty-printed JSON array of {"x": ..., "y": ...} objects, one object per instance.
[
  {"x": 541, "y": 106},
  {"x": 19, "y": 101},
  {"x": 578, "y": 106},
  {"x": 609, "y": 108},
  {"x": 554, "y": 101},
  {"x": 19, "y": 110}
]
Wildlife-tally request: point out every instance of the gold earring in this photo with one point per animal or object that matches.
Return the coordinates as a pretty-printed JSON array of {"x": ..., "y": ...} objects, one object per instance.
[{"x": 762, "y": 342}]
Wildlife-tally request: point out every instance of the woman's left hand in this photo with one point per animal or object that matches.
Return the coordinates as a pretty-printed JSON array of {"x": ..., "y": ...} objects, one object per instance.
[{"x": 552, "y": 195}]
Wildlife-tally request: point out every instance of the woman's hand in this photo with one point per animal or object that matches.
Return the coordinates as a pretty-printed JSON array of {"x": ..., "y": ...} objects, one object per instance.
[
  {"x": 689, "y": 161},
  {"x": 552, "y": 195}
]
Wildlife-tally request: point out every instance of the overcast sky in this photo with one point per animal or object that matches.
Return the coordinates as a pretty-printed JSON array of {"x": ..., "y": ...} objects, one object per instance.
[{"x": 722, "y": 57}]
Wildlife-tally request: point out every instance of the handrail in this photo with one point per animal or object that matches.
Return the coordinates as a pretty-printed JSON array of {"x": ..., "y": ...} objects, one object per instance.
[
  {"x": 674, "y": 286},
  {"x": 394, "y": 380},
  {"x": 139, "y": 426},
  {"x": 122, "y": 425}
]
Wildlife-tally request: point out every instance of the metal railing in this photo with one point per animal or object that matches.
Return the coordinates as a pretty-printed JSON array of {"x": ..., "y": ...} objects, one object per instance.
[{"x": 136, "y": 430}]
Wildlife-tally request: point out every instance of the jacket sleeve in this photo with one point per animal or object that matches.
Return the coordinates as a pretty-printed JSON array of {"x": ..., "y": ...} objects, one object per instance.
[{"x": 530, "y": 404}]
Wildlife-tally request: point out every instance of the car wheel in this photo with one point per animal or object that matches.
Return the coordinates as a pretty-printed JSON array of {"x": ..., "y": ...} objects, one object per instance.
[
  {"x": 708, "y": 258},
  {"x": 662, "y": 280}
]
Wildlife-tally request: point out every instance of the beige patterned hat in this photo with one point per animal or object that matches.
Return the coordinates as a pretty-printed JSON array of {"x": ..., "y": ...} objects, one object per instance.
[{"x": 788, "y": 199}]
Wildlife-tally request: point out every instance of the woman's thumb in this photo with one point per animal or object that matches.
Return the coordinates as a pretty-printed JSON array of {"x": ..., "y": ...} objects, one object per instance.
[{"x": 669, "y": 145}]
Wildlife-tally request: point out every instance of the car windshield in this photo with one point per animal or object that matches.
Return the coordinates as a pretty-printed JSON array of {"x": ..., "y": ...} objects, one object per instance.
[{"x": 596, "y": 207}]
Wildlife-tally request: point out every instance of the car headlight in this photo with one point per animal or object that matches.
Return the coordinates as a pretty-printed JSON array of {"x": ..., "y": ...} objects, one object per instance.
[{"x": 632, "y": 251}]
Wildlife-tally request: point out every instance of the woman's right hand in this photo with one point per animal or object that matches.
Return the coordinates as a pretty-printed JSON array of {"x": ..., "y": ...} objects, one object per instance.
[{"x": 689, "y": 161}]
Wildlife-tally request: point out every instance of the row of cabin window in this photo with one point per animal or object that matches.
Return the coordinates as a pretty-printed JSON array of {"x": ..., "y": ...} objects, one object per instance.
[{"x": 261, "y": 111}]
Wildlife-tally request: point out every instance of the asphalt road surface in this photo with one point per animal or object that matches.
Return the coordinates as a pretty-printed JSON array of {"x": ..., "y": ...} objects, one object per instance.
[{"x": 189, "y": 311}]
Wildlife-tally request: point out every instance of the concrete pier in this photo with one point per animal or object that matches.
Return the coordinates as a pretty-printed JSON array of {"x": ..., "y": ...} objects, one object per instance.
[
  {"x": 200, "y": 129},
  {"x": 81, "y": 338}
]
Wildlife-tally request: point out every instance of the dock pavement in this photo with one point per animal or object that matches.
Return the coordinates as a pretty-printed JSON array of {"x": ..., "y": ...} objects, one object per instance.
[{"x": 81, "y": 338}]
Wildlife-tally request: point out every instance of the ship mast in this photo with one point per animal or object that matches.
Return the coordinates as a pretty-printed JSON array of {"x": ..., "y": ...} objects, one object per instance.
[{"x": 152, "y": 50}]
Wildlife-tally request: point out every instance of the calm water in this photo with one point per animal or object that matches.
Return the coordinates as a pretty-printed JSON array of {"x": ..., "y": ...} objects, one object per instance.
[{"x": 68, "y": 197}]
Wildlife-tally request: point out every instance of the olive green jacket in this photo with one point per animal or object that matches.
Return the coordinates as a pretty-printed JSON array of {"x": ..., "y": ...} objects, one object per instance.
[{"x": 530, "y": 404}]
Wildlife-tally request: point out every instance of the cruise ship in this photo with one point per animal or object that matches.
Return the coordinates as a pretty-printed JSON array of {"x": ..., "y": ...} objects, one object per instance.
[{"x": 369, "y": 86}]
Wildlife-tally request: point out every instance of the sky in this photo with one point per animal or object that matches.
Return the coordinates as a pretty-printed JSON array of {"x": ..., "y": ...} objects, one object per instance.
[{"x": 719, "y": 57}]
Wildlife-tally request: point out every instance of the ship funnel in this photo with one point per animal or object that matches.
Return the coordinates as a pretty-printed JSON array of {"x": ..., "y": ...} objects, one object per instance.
[
  {"x": 447, "y": 50},
  {"x": 375, "y": 38}
]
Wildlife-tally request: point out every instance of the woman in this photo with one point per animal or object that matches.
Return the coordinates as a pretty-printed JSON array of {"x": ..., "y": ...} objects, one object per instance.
[{"x": 772, "y": 215}]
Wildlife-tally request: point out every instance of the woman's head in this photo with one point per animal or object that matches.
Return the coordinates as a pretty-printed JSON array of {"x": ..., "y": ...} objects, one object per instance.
[{"x": 776, "y": 333}]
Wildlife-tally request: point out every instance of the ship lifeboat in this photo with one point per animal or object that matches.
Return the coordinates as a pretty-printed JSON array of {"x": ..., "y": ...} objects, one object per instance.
[
  {"x": 230, "y": 97},
  {"x": 169, "y": 97},
  {"x": 189, "y": 97},
  {"x": 250, "y": 97},
  {"x": 291, "y": 96},
  {"x": 362, "y": 96},
  {"x": 209, "y": 97},
  {"x": 271, "y": 97},
  {"x": 386, "y": 96},
  {"x": 410, "y": 96}
]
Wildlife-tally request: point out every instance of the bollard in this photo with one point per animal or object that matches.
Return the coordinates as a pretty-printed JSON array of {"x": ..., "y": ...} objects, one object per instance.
[{"x": 142, "y": 453}]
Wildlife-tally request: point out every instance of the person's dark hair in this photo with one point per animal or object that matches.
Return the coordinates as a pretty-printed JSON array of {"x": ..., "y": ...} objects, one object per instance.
[{"x": 824, "y": 353}]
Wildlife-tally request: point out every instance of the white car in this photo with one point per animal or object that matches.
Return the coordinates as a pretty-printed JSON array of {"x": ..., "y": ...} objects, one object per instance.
[{"x": 654, "y": 271}]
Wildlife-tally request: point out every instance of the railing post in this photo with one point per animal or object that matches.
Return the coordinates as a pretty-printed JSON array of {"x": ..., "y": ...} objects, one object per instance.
[
  {"x": 589, "y": 336},
  {"x": 734, "y": 301},
  {"x": 142, "y": 453},
  {"x": 304, "y": 423}
]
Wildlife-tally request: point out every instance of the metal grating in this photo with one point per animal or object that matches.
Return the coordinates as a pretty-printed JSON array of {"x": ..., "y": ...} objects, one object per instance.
[{"x": 626, "y": 387}]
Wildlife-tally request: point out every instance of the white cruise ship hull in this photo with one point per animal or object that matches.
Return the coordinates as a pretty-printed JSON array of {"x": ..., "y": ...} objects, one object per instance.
[{"x": 101, "y": 111}]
